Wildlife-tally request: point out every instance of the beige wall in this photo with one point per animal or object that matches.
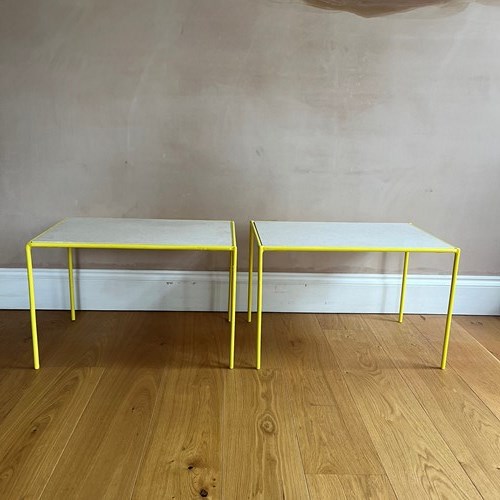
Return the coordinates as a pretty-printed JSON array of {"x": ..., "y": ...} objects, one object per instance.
[{"x": 264, "y": 109}]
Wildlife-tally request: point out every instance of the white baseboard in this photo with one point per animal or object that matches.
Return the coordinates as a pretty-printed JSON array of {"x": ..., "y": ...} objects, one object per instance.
[{"x": 286, "y": 292}]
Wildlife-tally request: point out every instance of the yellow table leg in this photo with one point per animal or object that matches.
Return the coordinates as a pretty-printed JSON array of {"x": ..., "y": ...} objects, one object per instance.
[
  {"x": 450, "y": 309},
  {"x": 250, "y": 272},
  {"x": 259, "y": 306},
  {"x": 230, "y": 287},
  {"x": 403, "y": 287},
  {"x": 234, "y": 260},
  {"x": 31, "y": 291},
  {"x": 71, "y": 284}
]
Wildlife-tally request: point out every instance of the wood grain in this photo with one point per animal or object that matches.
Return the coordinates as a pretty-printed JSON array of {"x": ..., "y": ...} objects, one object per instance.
[
  {"x": 291, "y": 342},
  {"x": 261, "y": 454},
  {"x": 485, "y": 329},
  {"x": 332, "y": 443},
  {"x": 16, "y": 352},
  {"x": 349, "y": 487},
  {"x": 195, "y": 339},
  {"x": 330, "y": 431},
  {"x": 36, "y": 430},
  {"x": 119, "y": 415},
  {"x": 469, "y": 428},
  {"x": 342, "y": 322},
  {"x": 182, "y": 458},
  {"x": 15, "y": 340},
  {"x": 141, "y": 405},
  {"x": 472, "y": 361},
  {"x": 323, "y": 486},
  {"x": 402, "y": 433}
]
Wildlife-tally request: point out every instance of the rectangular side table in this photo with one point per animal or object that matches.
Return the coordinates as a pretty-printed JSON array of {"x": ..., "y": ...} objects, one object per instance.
[
  {"x": 135, "y": 234},
  {"x": 280, "y": 236}
]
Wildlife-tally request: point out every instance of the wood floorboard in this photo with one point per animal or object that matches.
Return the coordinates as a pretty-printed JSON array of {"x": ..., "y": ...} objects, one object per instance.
[
  {"x": 195, "y": 339},
  {"x": 294, "y": 343},
  {"x": 119, "y": 415},
  {"x": 182, "y": 457},
  {"x": 416, "y": 459},
  {"x": 470, "y": 359},
  {"x": 15, "y": 340},
  {"x": 469, "y": 428},
  {"x": 245, "y": 347},
  {"x": 261, "y": 455},
  {"x": 141, "y": 405},
  {"x": 331, "y": 434},
  {"x": 50, "y": 406},
  {"x": 485, "y": 329},
  {"x": 325, "y": 486},
  {"x": 35, "y": 431},
  {"x": 342, "y": 321},
  {"x": 349, "y": 487},
  {"x": 183, "y": 454},
  {"x": 16, "y": 352}
]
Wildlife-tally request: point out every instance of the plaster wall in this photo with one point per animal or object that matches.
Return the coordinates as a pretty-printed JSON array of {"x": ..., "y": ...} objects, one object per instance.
[{"x": 240, "y": 109}]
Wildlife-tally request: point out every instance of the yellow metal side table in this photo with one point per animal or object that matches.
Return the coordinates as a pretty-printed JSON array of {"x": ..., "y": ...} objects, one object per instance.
[
  {"x": 281, "y": 236},
  {"x": 135, "y": 234}
]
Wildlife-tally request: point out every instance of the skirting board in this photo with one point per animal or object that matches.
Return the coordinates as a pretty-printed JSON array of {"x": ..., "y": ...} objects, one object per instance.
[{"x": 285, "y": 292}]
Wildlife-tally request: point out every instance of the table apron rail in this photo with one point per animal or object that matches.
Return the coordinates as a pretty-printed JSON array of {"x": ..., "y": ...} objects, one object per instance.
[
  {"x": 358, "y": 249},
  {"x": 113, "y": 246}
]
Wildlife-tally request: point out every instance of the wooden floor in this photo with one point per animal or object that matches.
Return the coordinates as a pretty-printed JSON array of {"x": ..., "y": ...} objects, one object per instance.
[{"x": 141, "y": 405}]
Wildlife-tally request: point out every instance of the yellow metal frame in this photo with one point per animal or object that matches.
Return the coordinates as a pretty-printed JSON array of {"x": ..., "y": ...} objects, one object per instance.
[
  {"x": 233, "y": 266},
  {"x": 403, "y": 287},
  {"x": 254, "y": 237}
]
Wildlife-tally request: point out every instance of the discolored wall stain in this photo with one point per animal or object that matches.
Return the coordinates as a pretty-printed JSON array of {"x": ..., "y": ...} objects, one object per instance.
[{"x": 375, "y": 8}]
